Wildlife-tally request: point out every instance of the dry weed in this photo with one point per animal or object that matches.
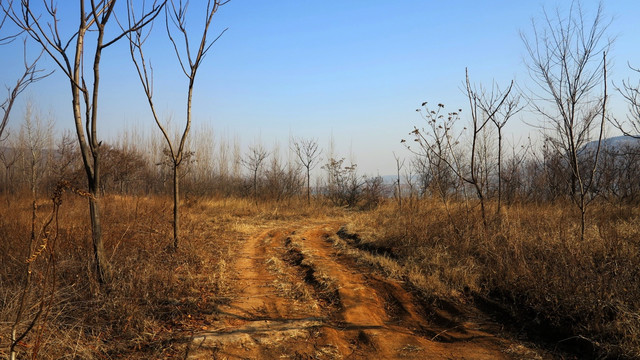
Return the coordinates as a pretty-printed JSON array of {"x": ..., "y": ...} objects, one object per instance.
[
  {"x": 530, "y": 258},
  {"x": 154, "y": 290}
]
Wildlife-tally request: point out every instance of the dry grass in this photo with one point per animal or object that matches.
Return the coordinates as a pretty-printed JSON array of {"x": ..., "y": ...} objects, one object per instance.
[
  {"x": 531, "y": 260},
  {"x": 157, "y": 296},
  {"x": 324, "y": 286},
  {"x": 155, "y": 293},
  {"x": 290, "y": 286}
]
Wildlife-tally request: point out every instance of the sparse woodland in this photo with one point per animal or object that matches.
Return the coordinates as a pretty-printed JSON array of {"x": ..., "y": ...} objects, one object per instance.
[{"x": 543, "y": 235}]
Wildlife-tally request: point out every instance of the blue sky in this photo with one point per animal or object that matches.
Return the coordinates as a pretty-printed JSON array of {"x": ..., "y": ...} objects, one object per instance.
[{"x": 354, "y": 70}]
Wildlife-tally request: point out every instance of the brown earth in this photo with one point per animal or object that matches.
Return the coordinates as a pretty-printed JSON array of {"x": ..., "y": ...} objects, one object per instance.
[{"x": 297, "y": 297}]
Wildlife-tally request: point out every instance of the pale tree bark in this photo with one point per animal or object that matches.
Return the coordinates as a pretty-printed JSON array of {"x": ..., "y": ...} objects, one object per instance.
[
  {"x": 69, "y": 53},
  {"x": 175, "y": 21}
]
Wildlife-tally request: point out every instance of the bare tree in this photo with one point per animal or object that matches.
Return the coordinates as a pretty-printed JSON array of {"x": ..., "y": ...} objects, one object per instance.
[
  {"x": 69, "y": 53},
  {"x": 344, "y": 184},
  {"x": 437, "y": 142},
  {"x": 399, "y": 166},
  {"x": 436, "y": 158},
  {"x": 567, "y": 61},
  {"x": 34, "y": 138},
  {"x": 410, "y": 180},
  {"x": 175, "y": 21},
  {"x": 488, "y": 102},
  {"x": 282, "y": 180},
  {"x": 308, "y": 153},
  {"x": 478, "y": 125},
  {"x": 253, "y": 162}
]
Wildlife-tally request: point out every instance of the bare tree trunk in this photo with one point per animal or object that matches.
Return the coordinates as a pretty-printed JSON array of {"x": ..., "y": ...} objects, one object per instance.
[
  {"x": 255, "y": 185},
  {"x": 564, "y": 63},
  {"x": 308, "y": 186},
  {"x": 481, "y": 198},
  {"x": 475, "y": 102},
  {"x": 308, "y": 154},
  {"x": 583, "y": 220},
  {"x": 499, "y": 170},
  {"x": 189, "y": 63},
  {"x": 93, "y": 18},
  {"x": 176, "y": 205},
  {"x": 103, "y": 270},
  {"x": 399, "y": 165}
]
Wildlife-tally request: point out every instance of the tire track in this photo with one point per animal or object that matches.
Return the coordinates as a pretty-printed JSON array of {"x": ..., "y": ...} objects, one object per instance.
[{"x": 297, "y": 298}]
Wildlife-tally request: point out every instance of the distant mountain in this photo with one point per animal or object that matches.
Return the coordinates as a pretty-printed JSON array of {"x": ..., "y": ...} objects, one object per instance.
[{"x": 614, "y": 143}]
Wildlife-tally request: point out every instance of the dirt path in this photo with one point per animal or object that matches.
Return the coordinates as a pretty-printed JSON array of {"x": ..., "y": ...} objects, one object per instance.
[{"x": 297, "y": 298}]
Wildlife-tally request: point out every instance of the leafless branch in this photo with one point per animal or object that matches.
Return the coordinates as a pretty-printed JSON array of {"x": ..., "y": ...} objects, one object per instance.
[
  {"x": 30, "y": 75},
  {"x": 308, "y": 154},
  {"x": 565, "y": 65},
  {"x": 631, "y": 93},
  {"x": 175, "y": 17}
]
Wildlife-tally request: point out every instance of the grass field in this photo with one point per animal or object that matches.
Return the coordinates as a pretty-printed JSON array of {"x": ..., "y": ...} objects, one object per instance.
[{"x": 528, "y": 269}]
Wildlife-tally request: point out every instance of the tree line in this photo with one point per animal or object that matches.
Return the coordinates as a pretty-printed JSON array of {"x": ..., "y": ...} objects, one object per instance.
[{"x": 33, "y": 157}]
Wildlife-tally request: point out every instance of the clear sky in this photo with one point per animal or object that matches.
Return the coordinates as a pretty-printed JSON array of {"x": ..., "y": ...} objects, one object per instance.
[{"x": 354, "y": 70}]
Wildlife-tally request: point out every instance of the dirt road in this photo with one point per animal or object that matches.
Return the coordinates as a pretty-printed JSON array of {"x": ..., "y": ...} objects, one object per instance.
[{"x": 298, "y": 297}]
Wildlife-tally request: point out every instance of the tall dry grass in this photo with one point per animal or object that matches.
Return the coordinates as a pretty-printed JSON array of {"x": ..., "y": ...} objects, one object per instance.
[
  {"x": 530, "y": 261},
  {"x": 155, "y": 293}
]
